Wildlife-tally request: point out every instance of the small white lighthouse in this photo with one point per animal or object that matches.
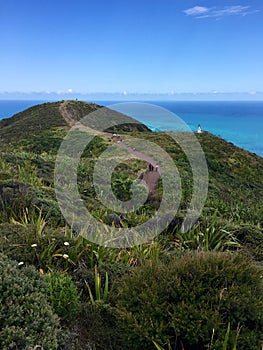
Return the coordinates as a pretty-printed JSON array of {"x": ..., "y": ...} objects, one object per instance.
[{"x": 199, "y": 129}]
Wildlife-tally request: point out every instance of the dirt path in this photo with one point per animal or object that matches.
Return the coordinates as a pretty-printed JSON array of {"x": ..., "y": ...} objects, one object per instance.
[
  {"x": 67, "y": 117},
  {"x": 150, "y": 177},
  {"x": 72, "y": 122}
]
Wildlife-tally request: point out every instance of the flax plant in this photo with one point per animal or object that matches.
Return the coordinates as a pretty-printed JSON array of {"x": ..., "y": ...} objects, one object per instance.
[
  {"x": 102, "y": 293},
  {"x": 31, "y": 219}
]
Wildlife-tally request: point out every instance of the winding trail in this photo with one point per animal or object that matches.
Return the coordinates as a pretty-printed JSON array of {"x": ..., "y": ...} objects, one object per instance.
[
  {"x": 150, "y": 177},
  {"x": 67, "y": 116}
]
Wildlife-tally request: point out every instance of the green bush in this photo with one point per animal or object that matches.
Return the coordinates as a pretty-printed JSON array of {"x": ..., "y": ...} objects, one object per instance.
[
  {"x": 252, "y": 239},
  {"x": 64, "y": 296},
  {"x": 26, "y": 317},
  {"x": 15, "y": 242},
  {"x": 190, "y": 302},
  {"x": 101, "y": 327},
  {"x": 14, "y": 197}
]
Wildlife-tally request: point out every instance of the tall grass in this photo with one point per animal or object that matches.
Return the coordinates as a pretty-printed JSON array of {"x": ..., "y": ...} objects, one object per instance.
[
  {"x": 206, "y": 236},
  {"x": 4, "y": 166},
  {"x": 102, "y": 292},
  {"x": 28, "y": 173},
  {"x": 32, "y": 218}
]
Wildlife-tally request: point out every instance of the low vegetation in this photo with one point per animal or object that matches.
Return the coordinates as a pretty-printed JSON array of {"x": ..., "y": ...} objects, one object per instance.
[
  {"x": 200, "y": 289},
  {"x": 189, "y": 303},
  {"x": 27, "y": 318}
]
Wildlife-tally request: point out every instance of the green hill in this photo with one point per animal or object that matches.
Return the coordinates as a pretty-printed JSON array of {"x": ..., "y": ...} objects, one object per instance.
[
  {"x": 97, "y": 291},
  {"x": 47, "y": 116},
  {"x": 32, "y": 138}
]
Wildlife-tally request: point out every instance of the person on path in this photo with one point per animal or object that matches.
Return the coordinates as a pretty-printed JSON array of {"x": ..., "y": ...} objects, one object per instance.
[{"x": 150, "y": 167}]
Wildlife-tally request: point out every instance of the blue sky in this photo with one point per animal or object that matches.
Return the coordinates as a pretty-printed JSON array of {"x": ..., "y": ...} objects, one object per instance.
[{"x": 139, "y": 46}]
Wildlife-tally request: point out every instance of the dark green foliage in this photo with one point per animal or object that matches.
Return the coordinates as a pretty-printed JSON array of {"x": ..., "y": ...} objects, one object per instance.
[
  {"x": 14, "y": 197},
  {"x": 47, "y": 203},
  {"x": 102, "y": 326},
  {"x": 32, "y": 121},
  {"x": 122, "y": 189},
  {"x": 183, "y": 301},
  {"x": 26, "y": 317},
  {"x": 17, "y": 198},
  {"x": 128, "y": 128},
  {"x": 15, "y": 242},
  {"x": 95, "y": 147},
  {"x": 46, "y": 141},
  {"x": 64, "y": 297},
  {"x": 252, "y": 240}
]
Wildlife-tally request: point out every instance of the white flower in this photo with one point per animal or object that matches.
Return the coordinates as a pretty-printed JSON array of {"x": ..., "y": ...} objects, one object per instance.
[
  {"x": 20, "y": 263},
  {"x": 66, "y": 243},
  {"x": 65, "y": 256},
  {"x": 33, "y": 245}
]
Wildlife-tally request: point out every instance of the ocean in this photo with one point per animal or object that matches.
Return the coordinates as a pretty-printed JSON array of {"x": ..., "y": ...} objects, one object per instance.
[{"x": 240, "y": 122}]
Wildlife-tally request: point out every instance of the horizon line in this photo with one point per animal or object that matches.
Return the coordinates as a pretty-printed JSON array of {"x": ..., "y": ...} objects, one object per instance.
[{"x": 125, "y": 93}]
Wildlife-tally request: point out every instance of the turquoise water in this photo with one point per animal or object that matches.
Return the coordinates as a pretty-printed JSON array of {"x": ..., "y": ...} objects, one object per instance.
[{"x": 240, "y": 122}]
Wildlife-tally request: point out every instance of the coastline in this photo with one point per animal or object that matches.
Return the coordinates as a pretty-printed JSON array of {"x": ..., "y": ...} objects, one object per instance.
[{"x": 238, "y": 122}]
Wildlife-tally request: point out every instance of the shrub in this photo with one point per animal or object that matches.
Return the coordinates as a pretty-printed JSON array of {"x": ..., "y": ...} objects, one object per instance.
[
  {"x": 64, "y": 296},
  {"x": 252, "y": 239},
  {"x": 188, "y": 303},
  {"x": 101, "y": 326},
  {"x": 26, "y": 317},
  {"x": 14, "y": 197},
  {"x": 85, "y": 276},
  {"x": 15, "y": 242}
]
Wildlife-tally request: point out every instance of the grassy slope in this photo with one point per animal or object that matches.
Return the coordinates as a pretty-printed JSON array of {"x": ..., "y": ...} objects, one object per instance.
[
  {"x": 29, "y": 143},
  {"x": 34, "y": 120},
  {"x": 45, "y": 117},
  {"x": 34, "y": 136}
]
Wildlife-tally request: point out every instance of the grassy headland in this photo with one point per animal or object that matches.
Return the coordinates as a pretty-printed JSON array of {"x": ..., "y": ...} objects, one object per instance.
[{"x": 201, "y": 289}]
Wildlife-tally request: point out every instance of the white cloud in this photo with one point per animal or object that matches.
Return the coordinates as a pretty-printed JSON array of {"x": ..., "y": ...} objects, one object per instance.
[
  {"x": 197, "y": 10},
  {"x": 217, "y": 12},
  {"x": 70, "y": 91},
  {"x": 234, "y": 10}
]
